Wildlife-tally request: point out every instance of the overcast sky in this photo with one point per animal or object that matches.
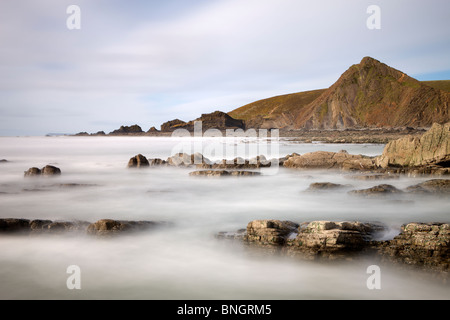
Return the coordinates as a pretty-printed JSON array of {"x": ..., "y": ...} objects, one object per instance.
[{"x": 146, "y": 62}]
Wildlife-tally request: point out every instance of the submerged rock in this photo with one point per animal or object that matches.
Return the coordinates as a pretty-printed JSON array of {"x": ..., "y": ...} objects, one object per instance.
[
  {"x": 11, "y": 225},
  {"x": 32, "y": 172},
  {"x": 321, "y": 186},
  {"x": 222, "y": 173},
  {"x": 380, "y": 190},
  {"x": 3, "y": 161},
  {"x": 108, "y": 227},
  {"x": 138, "y": 161},
  {"x": 435, "y": 186}
]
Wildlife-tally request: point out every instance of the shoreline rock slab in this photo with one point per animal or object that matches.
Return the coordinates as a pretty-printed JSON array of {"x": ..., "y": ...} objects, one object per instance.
[
  {"x": 377, "y": 191},
  {"x": 432, "y": 148},
  {"x": 108, "y": 227}
]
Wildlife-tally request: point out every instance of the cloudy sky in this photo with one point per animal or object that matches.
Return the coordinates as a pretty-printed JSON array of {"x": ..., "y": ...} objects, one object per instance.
[{"x": 146, "y": 62}]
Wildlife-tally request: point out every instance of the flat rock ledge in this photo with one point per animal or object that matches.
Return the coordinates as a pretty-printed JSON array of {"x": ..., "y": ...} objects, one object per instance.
[
  {"x": 104, "y": 227},
  {"x": 424, "y": 245},
  {"x": 223, "y": 173}
]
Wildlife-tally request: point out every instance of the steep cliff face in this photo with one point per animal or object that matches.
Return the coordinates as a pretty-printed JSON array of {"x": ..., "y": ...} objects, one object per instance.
[{"x": 368, "y": 94}]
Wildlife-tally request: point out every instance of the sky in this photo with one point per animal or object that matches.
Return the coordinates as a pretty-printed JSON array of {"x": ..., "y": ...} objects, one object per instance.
[{"x": 147, "y": 62}]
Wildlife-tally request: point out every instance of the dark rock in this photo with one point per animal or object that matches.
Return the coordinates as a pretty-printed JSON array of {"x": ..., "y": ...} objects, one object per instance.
[
  {"x": 436, "y": 186},
  {"x": 100, "y": 133},
  {"x": 82, "y": 134},
  {"x": 138, "y": 162},
  {"x": 62, "y": 227},
  {"x": 32, "y": 172},
  {"x": 172, "y": 125},
  {"x": 38, "y": 226},
  {"x": 380, "y": 190},
  {"x": 3, "y": 161},
  {"x": 14, "y": 225},
  {"x": 125, "y": 130},
  {"x": 108, "y": 227},
  {"x": 152, "y": 130},
  {"x": 222, "y": 173},
  {"x": 157, "y": 162},
  {"x": 320, "y": 186},
  {"x": 50, "y": 171}
]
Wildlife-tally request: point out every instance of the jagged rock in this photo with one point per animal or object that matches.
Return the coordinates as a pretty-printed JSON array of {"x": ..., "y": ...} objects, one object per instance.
[
  {"x": 329, "y": 160},
  {"x": 437, "y": 186},
  {"x": 270, "y": 232},
  {"x": 12, "y": 225},
  {"x": 222, "y": 173},
  {"x": 433, "y": 148},
  {"x": 423, "y": 244},
  {"x": 172, "y": 125},
  {"x": 380, "y": 190},
  {"x": 108, "y": 227},
  {"x": 138, "y": 162},
  {"x": 125, "y": 130},
  {"x": 100, "y": 133},
  {"x": 320, "y": 186}
]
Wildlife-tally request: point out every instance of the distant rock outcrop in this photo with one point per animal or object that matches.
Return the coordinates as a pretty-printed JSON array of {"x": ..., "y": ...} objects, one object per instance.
[
  {"x": 125, "y": 130},
  {"x": 433, "y": 148},
  {"x": 223, "y": 173},
  {"x": 216, "y": 120},
  {"x": 108, "y": 227}
]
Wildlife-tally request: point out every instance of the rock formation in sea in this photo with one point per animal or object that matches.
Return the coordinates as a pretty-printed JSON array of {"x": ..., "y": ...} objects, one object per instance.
[{"x": 48, "y": 170}]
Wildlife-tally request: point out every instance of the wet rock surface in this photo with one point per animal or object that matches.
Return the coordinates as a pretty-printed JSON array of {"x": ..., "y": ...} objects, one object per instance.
[
  {"x": 325, "y": 186},
  {"x": 330, "y": 160},
  {"x": 108, "y": 227},
  {"x": 377, "y": 191},
  {"x": 425, "y": 245},
  {"x": 435, "y": 186}
]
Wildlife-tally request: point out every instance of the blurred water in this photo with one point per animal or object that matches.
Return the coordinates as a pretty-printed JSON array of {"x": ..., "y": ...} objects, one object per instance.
[{"x": 185, "y": 261}]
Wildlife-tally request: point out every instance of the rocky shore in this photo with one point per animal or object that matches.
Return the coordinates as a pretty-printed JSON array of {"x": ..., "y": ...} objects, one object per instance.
[{"x": 425, "y": 245}]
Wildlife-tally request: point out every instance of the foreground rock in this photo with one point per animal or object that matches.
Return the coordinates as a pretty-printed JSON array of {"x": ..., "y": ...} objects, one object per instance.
[
  {"x": 223, "y": 173},
  {"x": 330, "y": 160},
  {"x": 421, "y": 244},
  {"x": 433, "y": 148},
  {"x": 46, "y": 171},
  {"x": 108, "y": 227},
  {"x": 138, "y": 161}
]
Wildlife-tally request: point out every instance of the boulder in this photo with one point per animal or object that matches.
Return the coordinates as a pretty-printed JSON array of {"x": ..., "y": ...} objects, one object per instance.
[
  {"x": 50, "y": 171},
  {"x": 329, "y": 160},
  {"x": 32, "y": 172},
  {"x": 436, "y": 186},
  {"x": 222, "y": 173},
  {"x": 157, "y": 162},
  {"x": 108, "y": 227},
  {"x": 421, "y": 244},
  {"x": 138, "y": 161},
  {"x": 46, "y": 171},
  {"x": 380, "y": 190},
  {"x": 433, "y": 148},
  {"x": 270, "y": 232}
]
